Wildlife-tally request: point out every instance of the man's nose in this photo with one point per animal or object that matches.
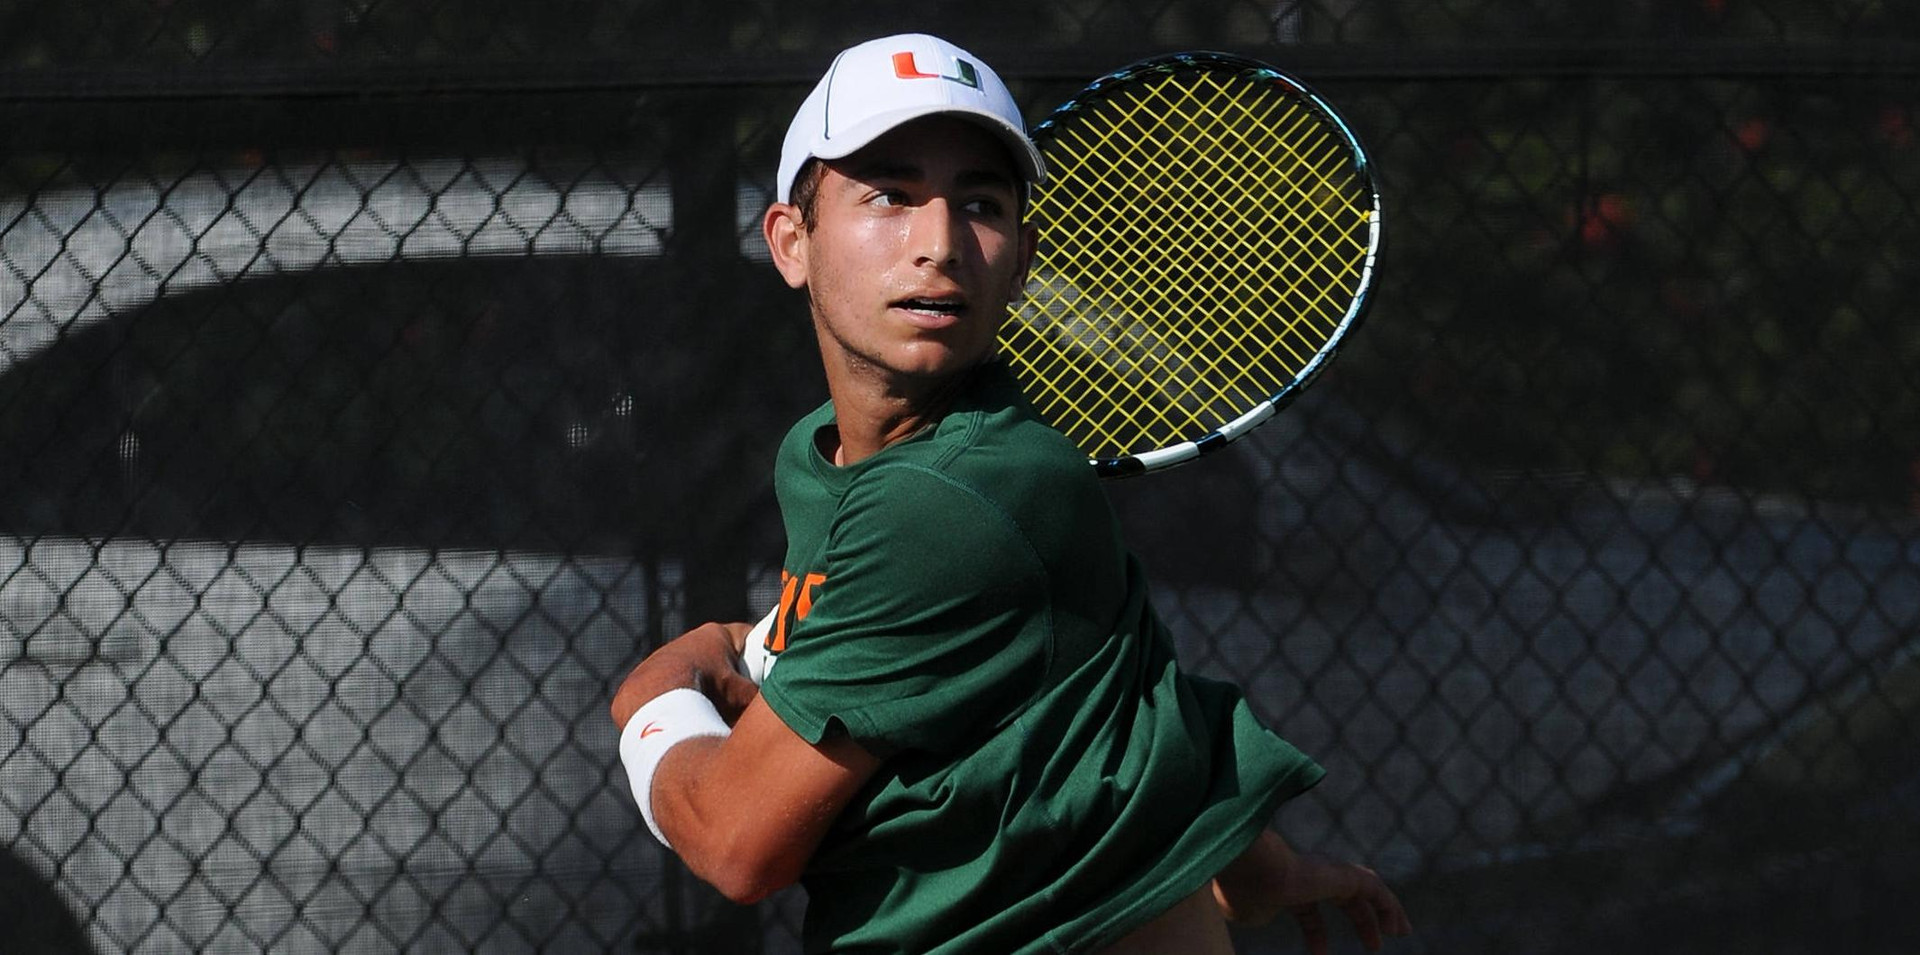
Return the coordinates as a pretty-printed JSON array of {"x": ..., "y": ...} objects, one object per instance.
[{"x": 936, "y": 238}]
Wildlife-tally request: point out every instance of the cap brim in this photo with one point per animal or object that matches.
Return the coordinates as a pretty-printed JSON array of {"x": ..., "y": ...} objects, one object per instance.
[{"x": 855, "y": 138}]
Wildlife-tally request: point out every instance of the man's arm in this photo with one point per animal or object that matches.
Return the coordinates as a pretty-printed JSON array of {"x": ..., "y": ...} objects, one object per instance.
[
  {"x": 1270, "y": 877},
  {"x": 746, "y": 811}
]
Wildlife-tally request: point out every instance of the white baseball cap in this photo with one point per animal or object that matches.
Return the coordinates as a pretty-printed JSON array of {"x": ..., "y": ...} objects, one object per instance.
[{"x": 875, "y": 86}]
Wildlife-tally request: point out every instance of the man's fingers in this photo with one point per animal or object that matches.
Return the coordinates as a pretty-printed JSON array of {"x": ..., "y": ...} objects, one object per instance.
[
  {"x": 1389, "y": 913},
  {"x": 1365, "y": 900},
  {"x": 737, "y": 635},
  {"x": 1393, "y": 915},
  {"x": 1365, "y": 923},
  {"x": 732, "y": 695},
  {"x": 1313, "y": 928}
]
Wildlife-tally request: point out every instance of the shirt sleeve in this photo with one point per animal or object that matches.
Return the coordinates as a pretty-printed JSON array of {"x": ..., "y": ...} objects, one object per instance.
[{"x": 932, "y": 625}]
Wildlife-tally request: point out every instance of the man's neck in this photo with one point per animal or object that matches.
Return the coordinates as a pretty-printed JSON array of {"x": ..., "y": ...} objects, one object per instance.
[{"x": 872, "y": 411}]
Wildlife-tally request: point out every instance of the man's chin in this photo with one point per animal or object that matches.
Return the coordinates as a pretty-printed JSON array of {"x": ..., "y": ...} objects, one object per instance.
[{"x": 935, "y": 360}]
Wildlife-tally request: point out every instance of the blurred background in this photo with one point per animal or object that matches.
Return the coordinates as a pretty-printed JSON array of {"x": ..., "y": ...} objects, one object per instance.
[{"x": 378, "y": 381}]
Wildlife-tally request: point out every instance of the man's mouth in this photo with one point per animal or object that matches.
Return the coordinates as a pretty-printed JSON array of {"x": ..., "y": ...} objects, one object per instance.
[
  {"x": 932, "y": 306},
  {"x": 931, "y": 313}
]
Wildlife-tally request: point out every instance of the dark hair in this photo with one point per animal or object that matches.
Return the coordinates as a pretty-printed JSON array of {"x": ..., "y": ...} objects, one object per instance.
[{"x": 805, "y": 191}]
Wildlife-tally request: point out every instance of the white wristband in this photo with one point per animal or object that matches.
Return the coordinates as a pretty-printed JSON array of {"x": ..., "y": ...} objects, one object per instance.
[{"x": 672, "y": 717}]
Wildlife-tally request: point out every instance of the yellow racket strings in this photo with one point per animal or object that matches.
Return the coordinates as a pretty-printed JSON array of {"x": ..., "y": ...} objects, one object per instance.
[{"x": 1203, "y": 237}]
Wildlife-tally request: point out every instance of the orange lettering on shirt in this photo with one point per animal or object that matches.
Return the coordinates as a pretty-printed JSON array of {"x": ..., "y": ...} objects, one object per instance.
[
  {"x": 789, "y": 585},
  {"x": 796, "y": 601},
  {"x": 806, "y": 595}
]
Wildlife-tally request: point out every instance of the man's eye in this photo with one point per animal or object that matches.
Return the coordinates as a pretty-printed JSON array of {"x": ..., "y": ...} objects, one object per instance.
[{"x": 985, "y": 207}]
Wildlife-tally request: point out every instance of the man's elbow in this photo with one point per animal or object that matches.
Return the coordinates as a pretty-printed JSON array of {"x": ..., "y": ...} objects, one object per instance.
[
  {"x": 741, "y": 857},
  {"x": 744, "y": 866},
  {"x": 745, "y": 879}
]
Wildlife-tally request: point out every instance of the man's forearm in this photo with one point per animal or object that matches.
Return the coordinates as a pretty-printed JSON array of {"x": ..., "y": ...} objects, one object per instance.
[
  {"x": 746, "y": 813},
  {"x": 696, "y": 820}
]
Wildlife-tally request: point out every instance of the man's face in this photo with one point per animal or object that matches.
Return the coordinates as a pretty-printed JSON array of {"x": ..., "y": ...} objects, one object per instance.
[{"x": 914, "y": 250}]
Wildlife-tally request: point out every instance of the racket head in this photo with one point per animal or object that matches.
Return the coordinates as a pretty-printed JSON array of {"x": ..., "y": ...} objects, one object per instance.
[{"x": 1207, "y": 242}]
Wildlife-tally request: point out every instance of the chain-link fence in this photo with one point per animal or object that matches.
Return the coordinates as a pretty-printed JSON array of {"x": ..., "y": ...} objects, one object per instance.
[{"x": 378, "y": 381}]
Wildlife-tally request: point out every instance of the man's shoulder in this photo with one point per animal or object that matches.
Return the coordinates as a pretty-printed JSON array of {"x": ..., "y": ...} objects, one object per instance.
[
  {"x": 1003, "y": 455},
  {"x": 791, "y": 458},
  {"x": 1007, "y": 488},
  {"x": 1002, "y": 432}
]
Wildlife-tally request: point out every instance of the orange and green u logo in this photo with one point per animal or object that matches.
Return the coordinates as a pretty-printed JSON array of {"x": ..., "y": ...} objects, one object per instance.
[{"x": 962, "y": 72}]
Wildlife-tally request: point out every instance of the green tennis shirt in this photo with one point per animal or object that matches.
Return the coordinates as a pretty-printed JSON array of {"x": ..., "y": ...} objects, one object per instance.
[{"x": 961, "y": 604}]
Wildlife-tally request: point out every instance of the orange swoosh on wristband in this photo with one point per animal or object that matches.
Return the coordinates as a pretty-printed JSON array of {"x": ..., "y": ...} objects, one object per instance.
[{"x": 650, "y": 729}]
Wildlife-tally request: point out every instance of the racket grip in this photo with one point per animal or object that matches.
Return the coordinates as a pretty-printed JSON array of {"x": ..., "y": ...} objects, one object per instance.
[{"x": 756, "y": 661}]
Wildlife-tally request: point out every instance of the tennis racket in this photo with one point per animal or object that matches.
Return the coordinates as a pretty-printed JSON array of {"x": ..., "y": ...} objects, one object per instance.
[{"x": 1207, "y": 240}]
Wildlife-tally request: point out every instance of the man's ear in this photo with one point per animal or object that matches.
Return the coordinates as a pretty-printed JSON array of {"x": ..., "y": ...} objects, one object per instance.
[
  {"x": 1029, "y": 241},
  {"x": 786, "y": 235}
]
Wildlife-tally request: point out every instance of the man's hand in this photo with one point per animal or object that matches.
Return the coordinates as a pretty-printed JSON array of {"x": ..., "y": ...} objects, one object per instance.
[
  {"x": 706, "y": 658},
  {"x": 1269, "y": 878}
]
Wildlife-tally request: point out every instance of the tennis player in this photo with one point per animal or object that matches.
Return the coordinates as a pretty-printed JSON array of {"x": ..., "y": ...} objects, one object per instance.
[{"x": 973, "y": 736}]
